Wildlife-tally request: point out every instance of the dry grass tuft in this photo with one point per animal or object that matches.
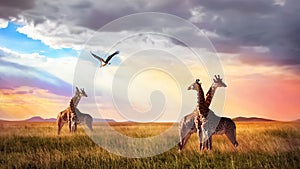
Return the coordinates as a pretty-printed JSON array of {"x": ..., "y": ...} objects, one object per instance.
[{"x": 36, "y": 145}]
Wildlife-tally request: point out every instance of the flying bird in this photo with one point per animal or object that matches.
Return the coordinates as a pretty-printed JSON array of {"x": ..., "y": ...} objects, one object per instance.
[{"x": 105, "y": 62}]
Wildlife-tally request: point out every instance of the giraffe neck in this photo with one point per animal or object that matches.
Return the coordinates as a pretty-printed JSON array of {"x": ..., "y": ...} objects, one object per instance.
[
  {"x": 201, "y": 103},
  {"x": 77, "y": 100},
  {"x": 72, "y": 106},
  {"x": 210, "y": 94}
]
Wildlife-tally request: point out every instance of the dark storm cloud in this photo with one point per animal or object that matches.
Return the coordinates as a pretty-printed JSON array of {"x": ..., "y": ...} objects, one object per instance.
[
  {"x": 255, "y": 23},
  {"x": 95, "y": 19},
  {"x": 236, "y": 23},
  {"x": 102, "y": 13},
  {"x": 95, "y": 14},
  {"x": 11, "y": 8},
  {"x": 244, "y": 6},
  {"x": 19, "y": 4}
]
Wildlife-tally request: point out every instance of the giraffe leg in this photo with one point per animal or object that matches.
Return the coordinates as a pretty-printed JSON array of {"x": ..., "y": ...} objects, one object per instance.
[
  {"x": 234, "y": 136},
  {"x": 205, "y": 137},
  {"x": 201, "y": 144},
  {"x": 199, "y": 131},
  {"x": 206, "y": 145},
  {"x": 90, "y": 126},
  {"x": 231, "y": 135},
  {"x": 69, "y": 123},
  {"x": 200, "y": 136},
  {"x": 89, "y": 122},
  {"x": 75, "y": 127},
  {"x": 204, "y": 140},
  {"x": 59, "y": 125},
  {"x": 183, "y": 142},
  {"x": 209, "y": 145}
]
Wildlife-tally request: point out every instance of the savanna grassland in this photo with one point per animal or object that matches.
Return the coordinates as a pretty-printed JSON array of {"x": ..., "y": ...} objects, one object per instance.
[{"x": 36, "y": 145}]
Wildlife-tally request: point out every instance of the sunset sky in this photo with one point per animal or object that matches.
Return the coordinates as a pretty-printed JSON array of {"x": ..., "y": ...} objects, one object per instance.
[{"x": 45, "y": 45}]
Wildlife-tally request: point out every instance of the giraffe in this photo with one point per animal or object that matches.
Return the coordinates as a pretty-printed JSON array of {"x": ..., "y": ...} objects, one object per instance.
[
  {"x": 209, "y": 123},
  {"x": 203, "y": 112},
  {"x": 209, "y": 95},
  {"x": 187, "y": 124},
  {"x": 79, "y": 115},
  {"x": 82, "y": 118},
  {"x": 69, "y": 114}
]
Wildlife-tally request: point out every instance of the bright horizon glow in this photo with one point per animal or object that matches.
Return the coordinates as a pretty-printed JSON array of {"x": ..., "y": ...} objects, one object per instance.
[{"x": 266, "y": 91}]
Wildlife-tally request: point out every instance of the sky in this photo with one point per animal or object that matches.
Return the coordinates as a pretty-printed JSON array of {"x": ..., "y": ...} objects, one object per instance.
[{"x": 45, "y": 52}]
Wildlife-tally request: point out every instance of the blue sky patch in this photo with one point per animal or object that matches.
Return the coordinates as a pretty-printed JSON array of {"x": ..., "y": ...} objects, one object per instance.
[{"x": 12, "y": 39}]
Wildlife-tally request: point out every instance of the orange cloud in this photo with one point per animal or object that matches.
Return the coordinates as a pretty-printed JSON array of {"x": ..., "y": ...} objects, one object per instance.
[{"x": 25, "y": 102}]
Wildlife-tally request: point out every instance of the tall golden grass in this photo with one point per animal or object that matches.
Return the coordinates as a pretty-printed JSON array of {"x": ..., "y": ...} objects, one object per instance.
[{"x": 36, "y": 145}]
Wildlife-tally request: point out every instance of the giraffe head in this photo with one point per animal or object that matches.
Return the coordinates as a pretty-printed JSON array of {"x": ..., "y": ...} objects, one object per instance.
[
  {"x": 195, "y": 86},
  {"x": 82, "y": 92},
  {"x": 218, "y": 82}
]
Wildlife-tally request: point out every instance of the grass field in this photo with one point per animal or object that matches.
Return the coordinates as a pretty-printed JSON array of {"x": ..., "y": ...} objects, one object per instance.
[{"x": 36, "y": 145}]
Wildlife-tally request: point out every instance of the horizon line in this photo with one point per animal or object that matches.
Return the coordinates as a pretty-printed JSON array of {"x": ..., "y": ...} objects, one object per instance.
[{"x": 52, "y": 118}]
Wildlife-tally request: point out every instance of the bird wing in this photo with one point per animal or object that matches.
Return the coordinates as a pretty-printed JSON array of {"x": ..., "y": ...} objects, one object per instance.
[
  {"x": 97, "y": 57},
  {"x": 110, "y": 56}
]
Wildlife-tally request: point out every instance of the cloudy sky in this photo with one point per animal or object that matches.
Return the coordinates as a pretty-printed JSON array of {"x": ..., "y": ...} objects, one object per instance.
[{"x": 45, "y": 45}]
